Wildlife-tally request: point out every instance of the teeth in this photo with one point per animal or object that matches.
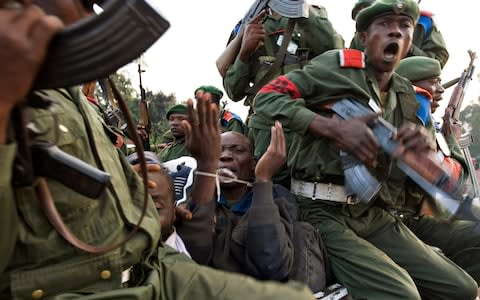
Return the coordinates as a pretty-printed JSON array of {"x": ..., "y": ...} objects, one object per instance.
[
  {"x": 226, "y": 175},
  {"x": 389, "y": 55},
  {"x": 224, "y": 172}
]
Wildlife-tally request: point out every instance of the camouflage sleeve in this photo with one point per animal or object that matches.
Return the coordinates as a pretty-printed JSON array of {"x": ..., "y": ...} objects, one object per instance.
[
  {"x": 281, "y": 100},
  {"x": 8, "y": 219},
  {"x": 324, "y": 36},
  {"x": 431, "y": 45},
  {"x": 285, "y": 98},
  {"x": 237, "y": 80}
]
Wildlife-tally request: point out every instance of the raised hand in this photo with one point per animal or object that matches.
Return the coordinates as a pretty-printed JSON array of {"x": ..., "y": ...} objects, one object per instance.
[
  {"x": 274, "y": 157},
  {"x": 202, "y": 132},
  {"x": 25, "y": 33},
  {"x": 202, "y": 139},
  {"x": 253, "y": 37},
  {"x": 450, "y": 127}
]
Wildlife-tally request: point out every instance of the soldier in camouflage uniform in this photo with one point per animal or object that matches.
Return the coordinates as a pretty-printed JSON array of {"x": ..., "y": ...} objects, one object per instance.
[
  {"x": 372, "y": 253},
  {"x": 229, "y": 121},
  {"x": 459, "y": 240},
  {"x": 427, "y": 38},
  {"x": 311, "y": 36},
  {"x": 176, "y": 148},
  {"x": 36, "y": 261}
]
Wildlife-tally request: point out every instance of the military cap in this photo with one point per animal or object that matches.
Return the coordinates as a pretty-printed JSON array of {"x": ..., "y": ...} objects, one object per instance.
[
  {"x": 381, "y": 8},
  {"x": 150, "y": 158},
  {"x": 361, "y": 4},
  {"x": 177, "y": 109},
  {"x": 419, "y": 68},
  {"x": 218, "y": 94}
]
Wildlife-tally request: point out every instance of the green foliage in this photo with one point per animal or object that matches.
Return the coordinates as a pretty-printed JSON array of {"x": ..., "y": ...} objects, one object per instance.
[{"x": 158, "y": 105}]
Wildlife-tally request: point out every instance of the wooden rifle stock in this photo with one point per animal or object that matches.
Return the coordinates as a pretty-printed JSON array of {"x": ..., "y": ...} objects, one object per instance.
[
  {"x": 456, "y": 99},
  {"x": 431, "y": 170},
  {"x": 456, "y": 102},
  {"x": 424, "y": 165}
]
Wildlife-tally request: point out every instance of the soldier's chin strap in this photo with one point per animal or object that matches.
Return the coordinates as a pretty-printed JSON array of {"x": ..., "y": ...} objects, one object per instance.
[{"x": 48, "y": 205}]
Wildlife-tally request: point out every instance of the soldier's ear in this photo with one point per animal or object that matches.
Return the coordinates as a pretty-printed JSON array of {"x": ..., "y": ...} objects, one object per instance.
[{"x": 362, "y": 37}]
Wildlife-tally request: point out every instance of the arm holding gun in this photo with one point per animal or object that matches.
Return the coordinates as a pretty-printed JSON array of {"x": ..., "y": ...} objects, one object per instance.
[
  {"x": 24, "y": 35},
  {"x": 414, "y": 158},
  {"x": 249, "y": 31}
]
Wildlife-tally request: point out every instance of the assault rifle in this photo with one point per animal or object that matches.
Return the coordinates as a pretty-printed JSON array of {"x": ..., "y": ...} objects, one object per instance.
[
  {"x": 455, "y": 104},
  {"x": 286, "y": 8},
  {"x": 456, "y": 99},
  {"x": 107, "y": 41},
  {"x": 143, "y": 119},
  {"x": 421, "y": 168}
]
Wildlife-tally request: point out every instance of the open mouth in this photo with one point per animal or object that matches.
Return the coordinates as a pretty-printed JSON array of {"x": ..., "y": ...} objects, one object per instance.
[{"x": 391, "y": 51}]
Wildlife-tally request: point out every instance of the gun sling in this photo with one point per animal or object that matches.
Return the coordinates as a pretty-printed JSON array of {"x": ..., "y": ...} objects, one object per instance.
[{"x": 279, "y": 59}]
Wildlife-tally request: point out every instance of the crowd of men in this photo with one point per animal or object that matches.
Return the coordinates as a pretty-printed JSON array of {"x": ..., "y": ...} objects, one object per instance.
[{"x": 226, "y": 209}]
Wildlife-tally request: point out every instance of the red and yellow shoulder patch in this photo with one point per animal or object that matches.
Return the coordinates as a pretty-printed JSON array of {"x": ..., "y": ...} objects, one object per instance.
[
  {"x": 352, "y": 58},
  {"x": 426, "y": 13}
]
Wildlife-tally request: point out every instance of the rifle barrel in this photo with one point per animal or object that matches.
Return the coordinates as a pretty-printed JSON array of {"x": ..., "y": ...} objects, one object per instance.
[{"x": 451, "y": 83}]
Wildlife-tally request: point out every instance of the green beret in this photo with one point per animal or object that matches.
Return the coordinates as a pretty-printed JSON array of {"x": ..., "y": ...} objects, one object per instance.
[
  {"x": 177, "y": 109},
  {"x": 381, "y": 8},
  {"x": 361, "y": 4},
  {"x": 212, "y": 90},
  {"x": 419, "y": 68}
]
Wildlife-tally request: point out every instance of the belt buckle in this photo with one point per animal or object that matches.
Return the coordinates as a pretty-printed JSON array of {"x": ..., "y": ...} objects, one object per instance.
[
  {"x": 352, "y": 200},
  {"x": 314, "y": 193}
]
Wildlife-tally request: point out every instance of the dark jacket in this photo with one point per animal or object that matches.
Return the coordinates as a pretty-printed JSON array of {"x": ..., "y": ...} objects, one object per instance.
[{"x": 257, "y": 243}]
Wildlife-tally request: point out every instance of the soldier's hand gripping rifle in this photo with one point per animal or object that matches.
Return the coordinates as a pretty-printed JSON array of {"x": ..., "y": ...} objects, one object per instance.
[
  {"x": 421, "y": 168},
  {"x": 286, "y": 8},
  {"x": 108, "y": 41}
]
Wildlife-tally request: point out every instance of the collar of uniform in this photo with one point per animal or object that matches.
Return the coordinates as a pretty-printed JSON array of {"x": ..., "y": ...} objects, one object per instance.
[{"x": 398, "y": 84}]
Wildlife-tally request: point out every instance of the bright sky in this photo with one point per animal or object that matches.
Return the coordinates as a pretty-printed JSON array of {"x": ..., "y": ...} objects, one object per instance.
[{"x": 184, "y": 58}]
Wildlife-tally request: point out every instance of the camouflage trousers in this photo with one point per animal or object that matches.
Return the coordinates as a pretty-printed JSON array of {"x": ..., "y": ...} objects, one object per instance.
[
  {"x": 376, "y": 256},
  {"x": 459, "y": 240}
]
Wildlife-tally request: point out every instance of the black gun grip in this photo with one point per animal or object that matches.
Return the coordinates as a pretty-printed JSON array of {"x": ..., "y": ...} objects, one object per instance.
[{"x": 49, "y": 161}]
